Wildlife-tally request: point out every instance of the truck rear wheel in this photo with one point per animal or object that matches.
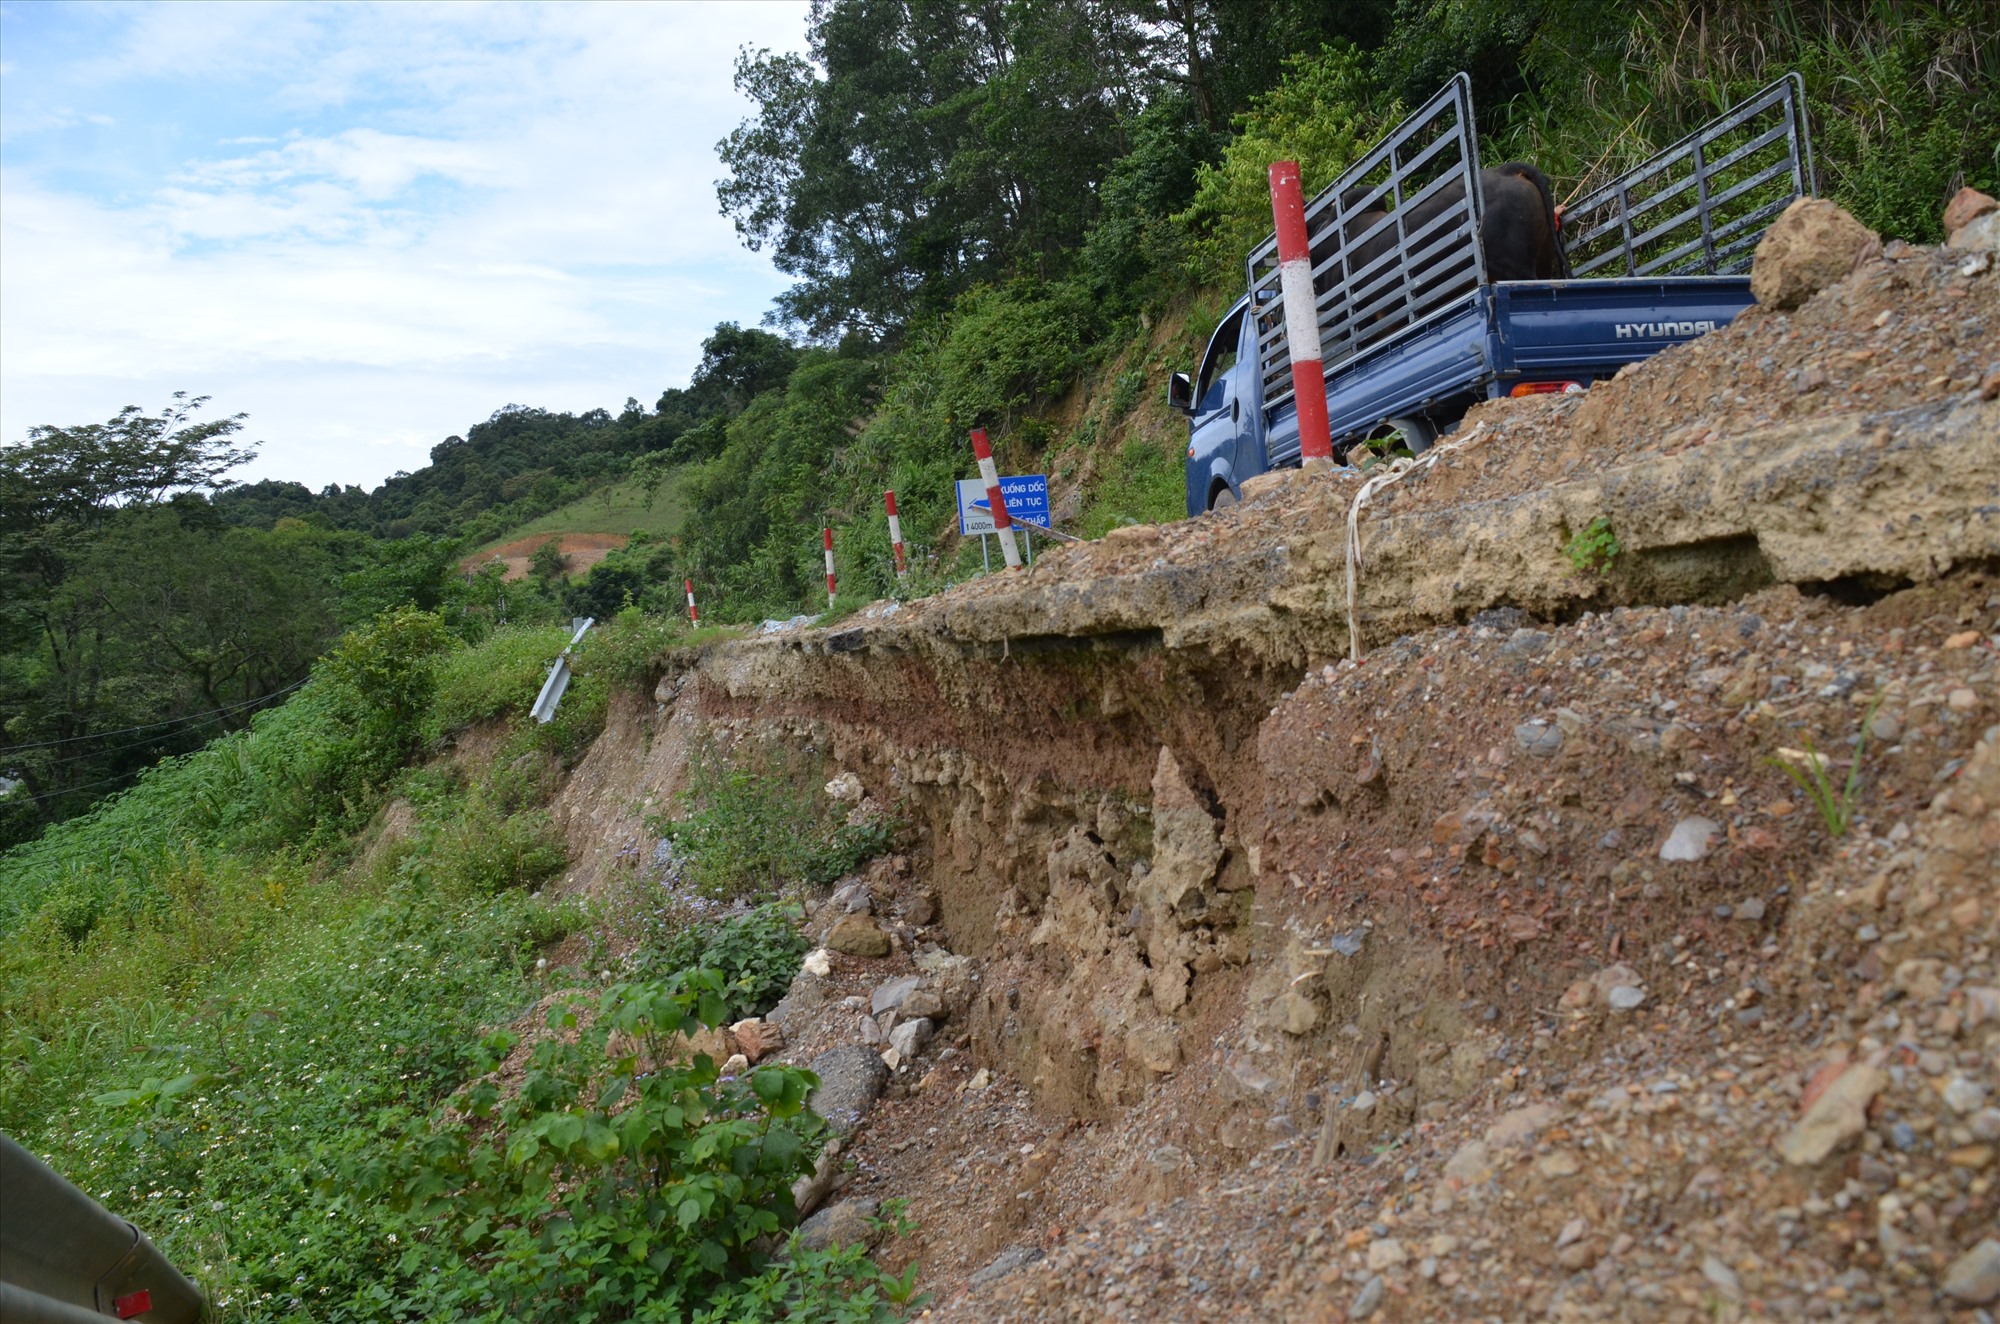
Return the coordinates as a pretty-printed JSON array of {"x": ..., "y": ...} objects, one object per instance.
[
  {"x": 1393, "y": 436},
  {"x": 1224, "y": 498},
  {"x": 1414, "y": 430}
]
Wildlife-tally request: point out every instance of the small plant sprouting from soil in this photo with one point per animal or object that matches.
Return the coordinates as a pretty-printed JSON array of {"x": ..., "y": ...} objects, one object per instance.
[
  {"x": 1594, "y": 547},
  {"x": 1807, "y": 767}
]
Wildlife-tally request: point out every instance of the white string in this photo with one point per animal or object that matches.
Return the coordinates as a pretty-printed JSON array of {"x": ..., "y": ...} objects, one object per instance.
[{"x": 1394, "y": 471}]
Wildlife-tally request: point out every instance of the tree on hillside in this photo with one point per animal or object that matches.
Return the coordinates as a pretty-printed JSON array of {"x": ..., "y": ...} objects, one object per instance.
[
  {"x": 61, "y": 482},
  {"x": 548, "y": 562},
  {"x": 918, "y": 149},
  {"x": 921, "y": 147},
  {"x": 737, "y": 365},
  {"x": 81, "y": 472},
  {"x": 137, "y": 623}
]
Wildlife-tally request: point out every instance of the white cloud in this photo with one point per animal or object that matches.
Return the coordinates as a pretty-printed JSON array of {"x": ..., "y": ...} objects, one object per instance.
[{"x": 449, "y": 209}]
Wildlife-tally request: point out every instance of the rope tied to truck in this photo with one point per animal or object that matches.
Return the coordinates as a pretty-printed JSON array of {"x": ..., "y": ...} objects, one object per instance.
[{"x": 1394, "y": 471}]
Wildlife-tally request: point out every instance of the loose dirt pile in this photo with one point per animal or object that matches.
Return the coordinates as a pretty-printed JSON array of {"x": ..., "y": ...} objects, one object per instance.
[{"x": 1607, "y": 943}]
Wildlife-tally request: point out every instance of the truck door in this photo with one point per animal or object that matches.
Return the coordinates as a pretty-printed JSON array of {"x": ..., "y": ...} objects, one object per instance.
[{"x": 1221, "y": 414}]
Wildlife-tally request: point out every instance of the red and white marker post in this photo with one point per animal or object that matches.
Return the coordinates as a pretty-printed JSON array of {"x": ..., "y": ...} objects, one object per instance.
[
  {"x": 694, "y": 617},
  {"x": 896, "y": 536},
  {"x": 826, "y": 536},
  {"x": 1288, "y": 211},
  {"x": 991, "y": 477}
]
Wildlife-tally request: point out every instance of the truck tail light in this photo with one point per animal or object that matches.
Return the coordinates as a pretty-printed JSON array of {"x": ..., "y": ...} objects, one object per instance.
[
  {"x": 135, "y": 1303},
  {"x": 1546, "y": 388}
]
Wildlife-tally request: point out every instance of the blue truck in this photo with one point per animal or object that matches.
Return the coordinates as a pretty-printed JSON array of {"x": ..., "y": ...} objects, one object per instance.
[{"x": 1412, "y": 333}]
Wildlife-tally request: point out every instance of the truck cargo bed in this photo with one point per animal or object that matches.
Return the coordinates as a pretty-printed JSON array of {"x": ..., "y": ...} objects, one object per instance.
[{"x": 1510, "y": 332}]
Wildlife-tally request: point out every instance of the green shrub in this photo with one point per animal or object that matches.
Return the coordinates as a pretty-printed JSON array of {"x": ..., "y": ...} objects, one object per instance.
[
  {"x": 757, "y": 955},
  {"x": 1010, "y": 347},
  {"x": 615, "y": 1183},
  {"x": 1144, "y": 483},
  {"x": 499, "y": 678},
  {"x": 467, "y": 847},
  {"x": 1324, "y": 114},
  {"x": 626, "y": 650},
  {"x": 1594, "y": 547},
  {"x": 749, "y": 833}
]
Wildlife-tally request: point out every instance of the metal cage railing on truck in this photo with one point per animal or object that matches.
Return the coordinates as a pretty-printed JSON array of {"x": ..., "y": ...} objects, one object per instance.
[
  {"x": 1700, "y": 206},
  {"x": 1363, "y": 299},
  {"x": 64, "y": 1257}
]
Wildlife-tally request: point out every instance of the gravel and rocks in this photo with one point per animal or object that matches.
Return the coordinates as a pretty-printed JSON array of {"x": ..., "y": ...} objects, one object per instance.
[
  {"x": 1560, "y": 996},
  {"x": 846, "y": 1223},
  {"x": 851, "y": 1078}
]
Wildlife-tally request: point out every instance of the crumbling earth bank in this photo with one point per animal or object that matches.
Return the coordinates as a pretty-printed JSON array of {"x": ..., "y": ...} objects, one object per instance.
[{"x": 1503, "y": 973}]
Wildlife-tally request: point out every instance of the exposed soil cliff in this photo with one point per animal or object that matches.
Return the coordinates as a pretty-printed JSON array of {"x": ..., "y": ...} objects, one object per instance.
[{"x": 1502, "y": 972}]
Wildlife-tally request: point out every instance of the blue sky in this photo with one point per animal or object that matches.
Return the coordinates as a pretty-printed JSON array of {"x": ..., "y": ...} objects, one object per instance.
[{"x": 366, "y": 226}]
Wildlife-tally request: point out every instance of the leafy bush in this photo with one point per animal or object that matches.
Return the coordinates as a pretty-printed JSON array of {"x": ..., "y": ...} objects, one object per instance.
[
  {"x": 749, "y": 833},
  {"x": 615, "y": 1183},
  {"x": 757, "y": 955},
  {"x": 384, "y": 675},
  {"x": 626, "y": 649},
  {"x": 467, "y": 847},
  {"x": 1145, "y": 483},
  {"x": 1593, "y": 547},
  {"x": 499, "y": 678},
  {"x": 1324, "y": 114},
  {"x": 1010, "y": 347}
]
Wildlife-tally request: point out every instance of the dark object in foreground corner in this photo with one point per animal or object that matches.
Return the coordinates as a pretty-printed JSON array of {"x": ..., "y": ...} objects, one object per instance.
[{"x": 65, "y": 1258}]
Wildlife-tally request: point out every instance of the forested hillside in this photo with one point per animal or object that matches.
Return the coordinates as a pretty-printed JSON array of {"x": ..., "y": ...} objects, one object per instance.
[{"x": 1016, "y": 217}]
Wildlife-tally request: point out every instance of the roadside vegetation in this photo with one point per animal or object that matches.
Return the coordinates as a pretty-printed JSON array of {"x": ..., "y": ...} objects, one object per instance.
[
  {"x": 258, "y": 1003},
  {"x": 283, "y": 978}
]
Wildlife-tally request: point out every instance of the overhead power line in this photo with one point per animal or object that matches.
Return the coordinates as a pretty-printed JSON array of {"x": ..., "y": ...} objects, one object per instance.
[{"x": 153, "y": 726}]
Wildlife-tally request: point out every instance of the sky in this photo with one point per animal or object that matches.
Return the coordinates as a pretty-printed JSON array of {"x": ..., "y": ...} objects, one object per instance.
[{"x": 368, "y": 227}]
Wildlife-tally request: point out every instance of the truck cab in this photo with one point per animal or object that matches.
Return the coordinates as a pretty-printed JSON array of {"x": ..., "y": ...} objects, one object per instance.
[{"x": 1224, "y": 407}]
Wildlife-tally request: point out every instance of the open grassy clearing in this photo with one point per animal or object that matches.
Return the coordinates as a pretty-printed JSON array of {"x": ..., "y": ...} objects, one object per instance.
[{"x": 617, "y": 508}]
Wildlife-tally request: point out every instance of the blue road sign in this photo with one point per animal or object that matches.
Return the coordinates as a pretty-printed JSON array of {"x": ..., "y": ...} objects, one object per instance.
[{"x": 1026, "y": 495}]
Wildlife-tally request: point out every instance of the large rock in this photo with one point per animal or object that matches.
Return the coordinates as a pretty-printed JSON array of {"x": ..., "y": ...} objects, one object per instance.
[
  {"x": 1974, "y": 1277},
  {"x": 756, "y": 1039},
  {"x": 1836, "y": 1116},
  {"x": 1812, "y": 245},
  {"x": 910, "y": 1036},
  {"x": 857, "y": 935},
  {"x": 890, "y": 994},
  {"x": 850, "y": 1080},
  {"x": 1981, "y": 231},
  {"x": 806, "y": 995},
  {"x": 1967, "y": 206},
  {"x": 848, "y": 1223}
]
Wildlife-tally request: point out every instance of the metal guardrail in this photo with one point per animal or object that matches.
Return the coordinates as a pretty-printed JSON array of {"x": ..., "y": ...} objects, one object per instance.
[
  {"x": 65, "y": 1258},
  {"x": 544, "y": 709},
  {"x": 1361, "y": 298},
  {"x": 1700, "y": 206}
]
